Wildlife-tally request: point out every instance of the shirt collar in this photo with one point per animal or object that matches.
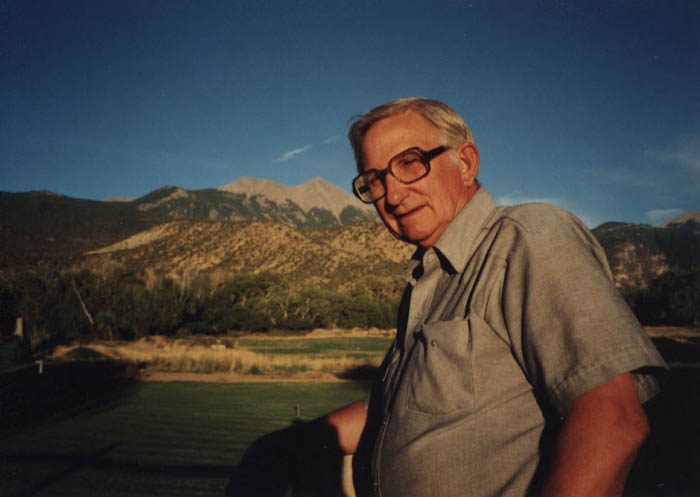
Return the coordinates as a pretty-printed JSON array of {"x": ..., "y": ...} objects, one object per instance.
[{"x": 456, "y": 245}]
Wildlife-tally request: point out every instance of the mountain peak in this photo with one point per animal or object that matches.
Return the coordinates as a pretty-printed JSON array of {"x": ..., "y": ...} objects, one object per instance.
[
  {"x": 315, "y": 193},
  {"x": 318, "y": 181}
]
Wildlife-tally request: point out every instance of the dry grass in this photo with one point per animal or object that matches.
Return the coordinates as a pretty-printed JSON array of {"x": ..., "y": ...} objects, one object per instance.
[
  {"x": 332, "y": 333},
  {"x": 672, "y": 331},
  {"x": 161, "y": 354}
]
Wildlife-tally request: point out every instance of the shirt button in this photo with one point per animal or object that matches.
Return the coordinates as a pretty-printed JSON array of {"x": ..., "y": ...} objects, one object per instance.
[{"x": 433, "y": 343}]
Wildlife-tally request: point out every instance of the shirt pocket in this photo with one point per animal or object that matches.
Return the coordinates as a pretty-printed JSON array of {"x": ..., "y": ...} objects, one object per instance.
[{"x": 439, "y": 372}]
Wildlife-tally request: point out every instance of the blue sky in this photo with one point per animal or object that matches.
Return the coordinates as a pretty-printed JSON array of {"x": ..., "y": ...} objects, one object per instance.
[{"x": 594, "y": 106}]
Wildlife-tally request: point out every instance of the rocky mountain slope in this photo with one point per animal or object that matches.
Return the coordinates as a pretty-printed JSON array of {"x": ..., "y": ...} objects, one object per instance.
[{"x": 217, "y": 250}]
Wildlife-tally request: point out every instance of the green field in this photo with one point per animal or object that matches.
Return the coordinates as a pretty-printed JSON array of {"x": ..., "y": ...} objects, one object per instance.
[
  {"x": 154, "y": 439},
  {"x": 366, "y": 347}
]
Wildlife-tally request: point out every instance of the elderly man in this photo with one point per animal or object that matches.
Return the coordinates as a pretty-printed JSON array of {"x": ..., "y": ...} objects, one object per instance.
[{"x": 517, "y": 368}]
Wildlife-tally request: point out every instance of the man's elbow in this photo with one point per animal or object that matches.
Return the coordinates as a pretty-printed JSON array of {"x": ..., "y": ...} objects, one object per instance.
[
  {"x": 614, "y": 413},
  {"x": 630, "y": 419},
  {"x": 637, "y": 430}
]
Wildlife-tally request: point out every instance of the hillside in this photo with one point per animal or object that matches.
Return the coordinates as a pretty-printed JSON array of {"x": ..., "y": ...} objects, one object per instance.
[
  {"x": 44, "y": 228},
  {"x": 640, "y": 253},
  {"x": 218, "y": 250},
  {"x": 39, "y": 228}
]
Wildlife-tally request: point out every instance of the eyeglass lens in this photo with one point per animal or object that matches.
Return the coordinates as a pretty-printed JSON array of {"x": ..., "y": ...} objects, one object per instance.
[{"x": 406, "y": 168}]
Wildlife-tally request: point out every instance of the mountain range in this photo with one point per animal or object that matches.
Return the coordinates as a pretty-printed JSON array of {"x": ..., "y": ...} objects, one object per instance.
[
  {"x": 311, "y": 230},
  {"x": 44, "y": 227}
]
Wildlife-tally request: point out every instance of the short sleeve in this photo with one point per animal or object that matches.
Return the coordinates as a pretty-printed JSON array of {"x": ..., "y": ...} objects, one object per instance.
[{"x": 569, "y": 327}]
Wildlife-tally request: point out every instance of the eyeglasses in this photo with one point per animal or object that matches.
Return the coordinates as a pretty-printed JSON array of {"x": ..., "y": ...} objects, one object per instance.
[{"x": 407, "y": 167}]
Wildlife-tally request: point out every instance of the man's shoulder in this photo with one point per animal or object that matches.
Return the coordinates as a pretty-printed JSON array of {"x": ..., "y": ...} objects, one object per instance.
[
  {"x": 538, "y": 218},
  {"x": 542, "y": 229}
]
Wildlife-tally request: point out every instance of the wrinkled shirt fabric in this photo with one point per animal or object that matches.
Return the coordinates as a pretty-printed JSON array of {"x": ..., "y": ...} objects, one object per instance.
[{"x": 509, "y": 318}]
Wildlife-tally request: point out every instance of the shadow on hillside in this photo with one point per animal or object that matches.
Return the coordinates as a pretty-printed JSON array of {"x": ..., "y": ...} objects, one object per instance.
[{"x": 29, "y": 397}]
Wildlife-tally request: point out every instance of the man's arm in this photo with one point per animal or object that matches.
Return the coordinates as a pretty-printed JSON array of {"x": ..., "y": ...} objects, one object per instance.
[{"x": 598, "y": 441}]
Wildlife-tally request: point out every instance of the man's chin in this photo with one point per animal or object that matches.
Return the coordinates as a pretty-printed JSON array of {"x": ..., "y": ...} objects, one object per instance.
[
  {"x": 416, "y": 237},
  {"x": 410, "y": 234}
]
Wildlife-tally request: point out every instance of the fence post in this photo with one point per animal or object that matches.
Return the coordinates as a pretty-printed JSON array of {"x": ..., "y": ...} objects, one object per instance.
[{"x": 19, "y": 327}]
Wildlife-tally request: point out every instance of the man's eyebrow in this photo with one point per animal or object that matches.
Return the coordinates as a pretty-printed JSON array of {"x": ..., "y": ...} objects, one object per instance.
[{"x": 365, "y": 168}]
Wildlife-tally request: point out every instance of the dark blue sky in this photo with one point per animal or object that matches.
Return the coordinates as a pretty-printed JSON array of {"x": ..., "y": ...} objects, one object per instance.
[{"x": 594, "y": 106}]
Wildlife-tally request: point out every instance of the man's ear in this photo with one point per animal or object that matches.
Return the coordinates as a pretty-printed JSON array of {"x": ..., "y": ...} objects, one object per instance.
[{"x": 468, "y": 163}]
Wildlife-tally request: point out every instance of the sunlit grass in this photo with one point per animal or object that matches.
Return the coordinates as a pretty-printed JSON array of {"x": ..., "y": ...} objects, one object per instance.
[{"x": 247, "y": 355}]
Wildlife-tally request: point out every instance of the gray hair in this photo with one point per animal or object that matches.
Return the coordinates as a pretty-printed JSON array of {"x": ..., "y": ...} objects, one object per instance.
[{"x": 451, "y": 126}]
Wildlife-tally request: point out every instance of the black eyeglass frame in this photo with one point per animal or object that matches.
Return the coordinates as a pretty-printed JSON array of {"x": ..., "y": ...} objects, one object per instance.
[{"x": 426, "y": 157}]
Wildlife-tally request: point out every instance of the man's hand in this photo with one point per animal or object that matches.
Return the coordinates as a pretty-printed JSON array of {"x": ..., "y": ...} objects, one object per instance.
[
  {"x": 349, "y": 422},
  {"x": 598, "y": 441}
]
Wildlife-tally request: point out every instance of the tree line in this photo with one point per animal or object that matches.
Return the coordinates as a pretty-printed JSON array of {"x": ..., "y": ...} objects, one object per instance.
[
  {"x": 61, "y": 307},
  {"x": 68, "y": 306}
]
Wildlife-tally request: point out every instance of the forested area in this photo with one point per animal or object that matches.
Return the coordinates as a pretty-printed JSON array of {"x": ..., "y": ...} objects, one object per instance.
[{"x": 67, "y": 306}]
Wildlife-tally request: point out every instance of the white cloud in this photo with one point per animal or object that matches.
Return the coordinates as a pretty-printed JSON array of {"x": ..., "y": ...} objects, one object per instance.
[
  {"x": 290, "y": 154},
  {"x": 516, "y": 197},
  {"x": 331, "y": 139},
  {"x": 660, "y": 216}
]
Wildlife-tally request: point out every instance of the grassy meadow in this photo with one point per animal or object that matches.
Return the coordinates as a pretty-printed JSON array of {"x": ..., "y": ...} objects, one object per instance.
[
  {"x": 320, "y": 355},
  {"x": 157, "y": 439}
]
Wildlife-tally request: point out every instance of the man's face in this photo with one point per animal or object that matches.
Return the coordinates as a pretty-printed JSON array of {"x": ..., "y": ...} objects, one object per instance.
[{"x": 420, "y": 212}]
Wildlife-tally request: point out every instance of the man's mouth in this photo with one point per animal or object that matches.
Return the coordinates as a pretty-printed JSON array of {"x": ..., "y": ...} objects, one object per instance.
[{"x": 401, "y": 217}]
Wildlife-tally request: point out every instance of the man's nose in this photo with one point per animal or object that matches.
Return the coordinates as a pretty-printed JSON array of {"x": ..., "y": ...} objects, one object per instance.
[{"x": 395, "y": 190}]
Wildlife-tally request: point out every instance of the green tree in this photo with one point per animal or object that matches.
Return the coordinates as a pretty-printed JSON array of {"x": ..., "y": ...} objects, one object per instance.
[{"x": 673, "y": 299}]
